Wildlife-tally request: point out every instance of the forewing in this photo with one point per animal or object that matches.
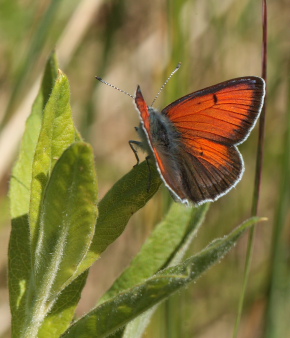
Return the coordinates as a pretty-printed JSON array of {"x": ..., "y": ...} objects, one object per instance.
[
  {"x": 142, "y": 109},
  {"x": 225, "y": 113}
]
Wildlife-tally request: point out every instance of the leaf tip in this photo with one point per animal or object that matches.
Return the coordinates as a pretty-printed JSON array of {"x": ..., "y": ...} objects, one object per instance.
[{"x": 60, "y": 75}]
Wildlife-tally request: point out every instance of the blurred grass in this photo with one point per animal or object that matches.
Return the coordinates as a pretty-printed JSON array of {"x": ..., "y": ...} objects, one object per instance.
[
  {"x": 140, "y": 42},
  {"x": 278, "y": 303}
]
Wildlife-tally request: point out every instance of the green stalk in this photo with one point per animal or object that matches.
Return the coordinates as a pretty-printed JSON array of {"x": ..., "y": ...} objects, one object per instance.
[{"x": 258, "y": 175}]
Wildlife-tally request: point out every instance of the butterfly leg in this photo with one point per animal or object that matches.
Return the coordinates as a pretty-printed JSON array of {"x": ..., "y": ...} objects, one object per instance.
[{"x": 138, "y": 144}]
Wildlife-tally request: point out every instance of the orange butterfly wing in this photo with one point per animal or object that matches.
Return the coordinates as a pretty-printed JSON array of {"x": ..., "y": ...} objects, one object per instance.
[
  {"x": 200, "y": 161},
  {"x": 224, "y": 113}
]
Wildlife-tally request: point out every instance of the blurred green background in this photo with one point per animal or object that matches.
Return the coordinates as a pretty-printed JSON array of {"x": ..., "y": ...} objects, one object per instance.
[{"x": 140, "y": 42}]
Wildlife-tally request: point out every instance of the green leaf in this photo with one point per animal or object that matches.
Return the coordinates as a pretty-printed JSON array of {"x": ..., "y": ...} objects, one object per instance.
[
  {"x": 168, "y": 238},
  {"x": 67, "y": 218},
  {"x": 115, "y": 211},
  {"x": 139, "y": 177},
  {"x": 135, "y": 182},
  {"x": 19, "y": 246},
  {"x": 118, "y": 311},
  {"x": 42, "y": 135},
  {"x": 125, "y": 198},
  {"x": 56, "y": 134}
]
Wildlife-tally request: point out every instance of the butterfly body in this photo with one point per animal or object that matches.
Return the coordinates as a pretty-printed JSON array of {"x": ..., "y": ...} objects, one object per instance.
[
  {"x": 193, "y": 140},
  {"x": 162, "y": 133}
]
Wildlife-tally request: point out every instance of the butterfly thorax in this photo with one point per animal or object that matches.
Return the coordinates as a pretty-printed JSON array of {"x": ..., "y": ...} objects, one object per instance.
[{"x": 161, "y": 133}]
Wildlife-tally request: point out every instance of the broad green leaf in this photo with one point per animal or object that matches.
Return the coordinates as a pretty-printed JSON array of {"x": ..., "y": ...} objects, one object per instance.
[
  {"x": 168, "y": 237},
  {"x": 56, "y": 134},
  {"x": 125, "y": 198},
  {"x": 118, "y": 311},
  {"x": 52, "y": 103},
  {"x": 19, "y": 246},
  {"x": 67, "y": 219},
  {"x": 139, "y": 176}
]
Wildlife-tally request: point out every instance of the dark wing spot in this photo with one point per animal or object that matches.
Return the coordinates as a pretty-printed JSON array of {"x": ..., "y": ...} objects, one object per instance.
[{"x": 215, "y": 98}]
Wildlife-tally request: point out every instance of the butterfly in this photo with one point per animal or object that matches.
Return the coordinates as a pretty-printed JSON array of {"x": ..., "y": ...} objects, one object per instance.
[{"x": 194, "y": 139}]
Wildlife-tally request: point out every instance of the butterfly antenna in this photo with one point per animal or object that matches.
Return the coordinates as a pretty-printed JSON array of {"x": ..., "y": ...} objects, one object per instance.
[
  {"x": 165, "y": 83},
  {"x": 108, "y": 84}
]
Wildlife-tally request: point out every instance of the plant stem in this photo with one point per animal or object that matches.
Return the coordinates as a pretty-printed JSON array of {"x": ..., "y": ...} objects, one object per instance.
[{"x": 258, "y": 175}]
